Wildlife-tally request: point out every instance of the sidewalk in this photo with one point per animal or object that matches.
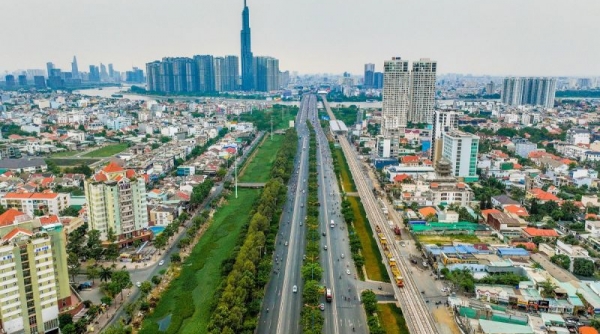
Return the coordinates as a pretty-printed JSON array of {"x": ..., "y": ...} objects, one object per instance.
[{"x": 104, "y": 318}]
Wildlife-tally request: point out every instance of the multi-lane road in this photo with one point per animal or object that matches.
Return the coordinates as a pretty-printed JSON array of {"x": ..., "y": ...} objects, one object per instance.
[
  {"x": 418, "y": 317},
  {"x": 281, "y": 305},
  {"x": 345, "y": 313}
]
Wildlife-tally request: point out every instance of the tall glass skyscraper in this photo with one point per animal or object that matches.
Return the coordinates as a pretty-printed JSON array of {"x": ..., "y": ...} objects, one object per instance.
[{"x": 247, "y": 70}]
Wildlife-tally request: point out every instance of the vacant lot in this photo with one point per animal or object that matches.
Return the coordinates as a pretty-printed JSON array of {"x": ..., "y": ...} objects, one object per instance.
[
  {"x": 447, "y": 239},
  {"x": 73, "y": 162},
  {"x": 258, "y": 169},
  {"x": 202, "y": 269},
  {"x": 391, "y": 319},
  {"x": 106, "y": 151}
]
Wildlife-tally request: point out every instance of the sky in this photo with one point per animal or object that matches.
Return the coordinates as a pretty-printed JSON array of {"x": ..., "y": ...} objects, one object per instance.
[{"x": 495, "y": 37}]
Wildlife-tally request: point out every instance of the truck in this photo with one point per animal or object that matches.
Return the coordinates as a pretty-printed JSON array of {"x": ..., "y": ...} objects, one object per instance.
[
  {"x": 328, "y": 295},
  {"x": 332, "y": 224}
]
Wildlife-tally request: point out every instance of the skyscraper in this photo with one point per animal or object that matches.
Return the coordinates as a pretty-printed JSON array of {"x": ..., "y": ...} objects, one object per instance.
[
  {"x": 231, "y": 73},
  {"x": 422, "y": 91},
  {"x": 9, "y": 81},
  {"x": 206, "y": 73},
  {"x": 369, "y": 76},
  {"x": 152, "y": 76},
  {"x": 396, "y": 95},
  {"x": 103, "y": 73},
  {"x": 218, "y": 64},
  {"x": 75, "y": 68},
  {"x": 377, "y": 80},
  {"x": 111, "y": 72},
  {"x": 246, "y": 55},
  {"x": 94, "y": 73},
  {"x": 22, "y": 80},
  {"x": 49, "y": 68}
]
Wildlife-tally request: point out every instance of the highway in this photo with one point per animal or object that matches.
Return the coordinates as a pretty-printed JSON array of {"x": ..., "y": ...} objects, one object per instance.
[
  {"x": 344, "y": 314},
  {"x": 281, "y": 306},
  {"x": 418, "y": 317}
]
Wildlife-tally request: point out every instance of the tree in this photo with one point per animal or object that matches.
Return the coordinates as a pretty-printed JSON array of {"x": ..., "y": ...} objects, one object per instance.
[
  {"x": 64, "y": 319},
  {"x": 93, "y": 273},
  {"x": 160, "y": 241},
  {"x": 137, "y": 243},
  {"x": 583, "y": 267},
  {"x": 122, "y": 279},
  {"x": 106, "y": 300},
  {"x": 73, "y": 265},
  {"x": 561, "y": 260},
  {"x": 547, "y": 288},
  {"x": 69, "y": 329},
  {"x": 537, "y": 240},
  {"x": 155, "y": 146},
  {"x": 221, "y": 173},
  {"x": 175, "y": 258},
  {"x": 165, "y": 139},
  {"x": 312, "y": 271},
  {"x": 146, "y": 287},
  {"x": 156, "y": 279},
  {"x": 184, "y": 242},
  {"x": 110, "y": 235},
  {"x": 94, "y": 245},
  {"x": 105, "y": 274},
  {"x": 370, "y": 301}
]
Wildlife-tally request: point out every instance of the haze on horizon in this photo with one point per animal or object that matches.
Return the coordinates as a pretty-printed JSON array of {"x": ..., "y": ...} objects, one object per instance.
[{"x": 497, "y": 37}]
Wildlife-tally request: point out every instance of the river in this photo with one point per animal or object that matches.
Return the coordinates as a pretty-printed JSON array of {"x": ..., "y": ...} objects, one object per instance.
[{"x": 107, "y": 92}]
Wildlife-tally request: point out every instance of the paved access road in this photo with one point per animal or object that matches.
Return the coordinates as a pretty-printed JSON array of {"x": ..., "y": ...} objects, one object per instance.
[
  {"x": 281, "y": 306},
  {"x": 344, "y": 314}
]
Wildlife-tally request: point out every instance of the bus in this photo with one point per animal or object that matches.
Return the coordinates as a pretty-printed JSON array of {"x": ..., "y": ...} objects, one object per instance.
[{"x": 328, "y": 295}]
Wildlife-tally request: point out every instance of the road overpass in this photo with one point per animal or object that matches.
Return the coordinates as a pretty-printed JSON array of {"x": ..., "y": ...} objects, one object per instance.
[{"x": 418, "y": 317}]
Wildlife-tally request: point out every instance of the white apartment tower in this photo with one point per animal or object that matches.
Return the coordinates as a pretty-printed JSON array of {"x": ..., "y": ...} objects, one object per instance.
[
  {"x": 396, "y": 95},
  {"x": 422, "y": 91},
  {"x": 443, "y": 121},
  {"x": 460, "y": 149},
  {"x": 529, "y": 91},
  {"x": 116, "y": 200}
]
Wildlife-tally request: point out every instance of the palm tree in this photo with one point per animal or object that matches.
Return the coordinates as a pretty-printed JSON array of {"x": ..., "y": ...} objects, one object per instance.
[{"x": 105, "y": 274}]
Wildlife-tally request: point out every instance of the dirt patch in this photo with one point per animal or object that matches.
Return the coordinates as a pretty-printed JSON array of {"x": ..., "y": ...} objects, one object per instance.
[{"x": 443, "y": 316}]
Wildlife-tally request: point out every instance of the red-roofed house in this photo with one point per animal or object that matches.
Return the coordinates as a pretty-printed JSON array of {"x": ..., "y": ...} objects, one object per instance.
[
  {"x": 427, "y": 211},
  {"x": 485, "y": 213},
  {"x": 410, "y": 160},
  {"x": 530, "y": 246},
  {"x": 37, "y": 203},
  {"x": 541, "y": 195},
  {"x": 12, "y": 216},
  {"x": 17, "y": 232},
  {"x": 517, "y": 210},
  {"x": 399, "y": 178},
  {"x": 532, "y": 232}
]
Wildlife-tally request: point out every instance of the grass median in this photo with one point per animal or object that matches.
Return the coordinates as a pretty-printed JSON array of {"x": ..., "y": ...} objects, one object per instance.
[
  {"x": 202, "y": 269},
  {"x": 106, "y": 151},
  {"x": 391, "y": 318},
  {"x": 343, "y": 171}
]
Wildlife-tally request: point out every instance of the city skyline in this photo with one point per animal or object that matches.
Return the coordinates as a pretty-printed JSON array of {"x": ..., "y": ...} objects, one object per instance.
[{"x": 514, "y": 42}]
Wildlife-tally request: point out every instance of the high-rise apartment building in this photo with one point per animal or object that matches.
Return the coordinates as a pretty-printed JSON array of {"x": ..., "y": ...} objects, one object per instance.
[
  {"x": 34, "y": 276},
  {"x": 116, "y": 201},
  {"x": 218, "y": 64},
  {"x": 443, "y": 121},
  {"x": 529, "y": 91},
  {"x": 136, "y": 75},
  {"x": 369, "y": 78},
  {"x": 75, "y": 68},
  {"x": 39, "y": 81},
  {"x": 266, "y": 74},
  {"x": 246, "y": 54},
  {"x": 461, "y": 149},
  {"x": 206, "y": 73},
  {"x": 153, "y": 76},
  {"x": 396, "y": 95},
  {"x": 422, "y": 91},
  {"x": 230, "y": 74},
  {"x": 103, "y": 72}
]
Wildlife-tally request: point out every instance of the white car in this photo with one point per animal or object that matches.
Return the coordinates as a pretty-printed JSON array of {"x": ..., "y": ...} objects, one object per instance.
[
  {"x": 161, "y": 262},
  {"x": 295, "y": 289},
  {"x": 138, "y": 284},
  {"x": 348, "y": 271}
]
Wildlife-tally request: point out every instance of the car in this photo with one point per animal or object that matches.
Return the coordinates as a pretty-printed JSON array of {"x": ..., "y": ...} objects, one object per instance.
[
  {"x": 138, "y": 284},
  {"x": 323, "y": 233},
  {"x": 295, "y": 289},
  {"x": 286, "y": 243},
  {"x": 325, "y": 247},
  {"x": 322, "y": 307},
  {"x": 161, "y": 262},
  {"x": 348, "y": 271},
  {"x": 342, "y": 255}
]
